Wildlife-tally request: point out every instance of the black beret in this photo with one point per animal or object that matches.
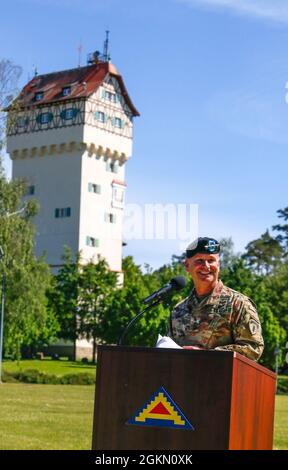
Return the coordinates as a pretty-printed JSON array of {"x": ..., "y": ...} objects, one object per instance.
[{"x": 203, "y": 245}]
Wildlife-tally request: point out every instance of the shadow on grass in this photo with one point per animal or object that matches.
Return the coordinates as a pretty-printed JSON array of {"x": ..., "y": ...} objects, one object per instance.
[{"x": 80, "y": 366}]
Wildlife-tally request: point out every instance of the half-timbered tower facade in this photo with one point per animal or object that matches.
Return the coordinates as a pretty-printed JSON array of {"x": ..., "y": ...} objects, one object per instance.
[{"x": 70, "y": 142}]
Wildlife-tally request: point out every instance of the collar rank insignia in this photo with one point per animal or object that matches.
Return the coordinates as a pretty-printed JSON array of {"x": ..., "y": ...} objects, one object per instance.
[{"x": 161, "y": 410}]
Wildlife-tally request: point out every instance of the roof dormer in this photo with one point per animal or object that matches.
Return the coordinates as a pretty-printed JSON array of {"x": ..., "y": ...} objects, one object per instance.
[
  {"x": 39, "y": 95},
  {"x": 66, "y": 90}
]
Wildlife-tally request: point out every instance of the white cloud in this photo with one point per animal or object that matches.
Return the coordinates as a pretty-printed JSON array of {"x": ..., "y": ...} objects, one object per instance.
[
  {"x": 251, "y": 114},
  {"x": 276, "y": 10}
]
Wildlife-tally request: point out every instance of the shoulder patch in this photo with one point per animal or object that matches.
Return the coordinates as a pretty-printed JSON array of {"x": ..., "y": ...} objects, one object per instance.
[{"x": 253, "y": 327}]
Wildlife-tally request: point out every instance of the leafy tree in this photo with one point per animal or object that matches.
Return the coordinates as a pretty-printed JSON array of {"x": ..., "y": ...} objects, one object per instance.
[
  {"x": 162, "y": 276},
  {"x": 227, "y": 254},
  {"x": 27, "y": 319},
  {"x": 124, "y": 304},
  {"x": 273, "y": 335},
  {"x": 277, "y": 286},
  {"x": 79, "y": 298},
  {"x": 96, "y": 284},
  {"x": 64, "y": 296},
  {"x": 239, "y": 277},
  {"x": 127, "y": 302}
]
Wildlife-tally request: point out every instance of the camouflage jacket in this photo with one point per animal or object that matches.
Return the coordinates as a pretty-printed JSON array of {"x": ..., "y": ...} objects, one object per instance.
[{"x": 224, "y": 320}]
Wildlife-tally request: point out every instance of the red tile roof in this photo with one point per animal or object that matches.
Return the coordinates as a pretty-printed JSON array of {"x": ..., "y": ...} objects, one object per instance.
[{"x": 83, "y": 82}]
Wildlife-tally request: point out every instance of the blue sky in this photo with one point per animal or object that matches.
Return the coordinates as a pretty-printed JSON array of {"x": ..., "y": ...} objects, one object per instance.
[{"x": 208, "y": 78}]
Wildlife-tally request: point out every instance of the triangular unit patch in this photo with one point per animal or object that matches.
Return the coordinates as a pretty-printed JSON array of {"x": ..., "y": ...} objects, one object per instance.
[{"x": 161, "y": 410}]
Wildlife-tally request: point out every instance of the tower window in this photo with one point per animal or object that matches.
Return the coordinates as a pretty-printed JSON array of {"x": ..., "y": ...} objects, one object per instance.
[
  {"x": 109, "y": 96},
  {"x": 118, "y": 193},
  {"x": 117, "y": 122},
  {"x": 22, "y": 121},
  {"x": 44, "y": 118},
  {"x": 91, "y": 241},
  {"x": 111, "y": 218},
  {"x": 63, "y": 212},
  {"x": 66, "y": 91},
  {"x": 94, "y": 188},
  {"x": 39, "y": 96},
  {"x": 112, "y": 167},
  {"x": 69, "y": 113},
  {"x": 100, "y": 116}
]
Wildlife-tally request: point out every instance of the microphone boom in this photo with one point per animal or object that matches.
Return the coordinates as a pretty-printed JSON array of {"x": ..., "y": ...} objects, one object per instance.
[{"x": 177, "y": 283}]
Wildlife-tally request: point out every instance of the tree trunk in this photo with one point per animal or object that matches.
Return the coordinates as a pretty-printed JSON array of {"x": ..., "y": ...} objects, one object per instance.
[
  {"x": 74, "y": 349},
  {"x": 94, "y": 350}
]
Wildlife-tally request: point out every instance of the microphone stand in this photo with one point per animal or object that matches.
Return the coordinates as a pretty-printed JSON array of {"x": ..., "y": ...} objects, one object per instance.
[{"x": 156, "y": 302}]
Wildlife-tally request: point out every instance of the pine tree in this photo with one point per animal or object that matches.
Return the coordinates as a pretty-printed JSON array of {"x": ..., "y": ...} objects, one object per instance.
[
  {"x": 282, "y": 228},
  {"x": 263, "y": 254}
]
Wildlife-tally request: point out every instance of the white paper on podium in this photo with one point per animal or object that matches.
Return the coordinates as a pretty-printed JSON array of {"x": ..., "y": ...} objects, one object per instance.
[{"x": 166, "y": 342}]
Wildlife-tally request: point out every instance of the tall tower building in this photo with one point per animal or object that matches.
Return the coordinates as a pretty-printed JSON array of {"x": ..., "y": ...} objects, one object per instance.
[{"x": 70, "y": 142}]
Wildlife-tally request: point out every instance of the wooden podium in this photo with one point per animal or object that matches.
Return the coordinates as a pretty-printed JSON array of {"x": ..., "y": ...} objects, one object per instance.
[{"x": 176, "y": 399}]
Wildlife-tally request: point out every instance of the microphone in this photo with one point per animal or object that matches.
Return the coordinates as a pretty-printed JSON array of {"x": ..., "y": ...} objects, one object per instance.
[{"x": 177, "y": 283}]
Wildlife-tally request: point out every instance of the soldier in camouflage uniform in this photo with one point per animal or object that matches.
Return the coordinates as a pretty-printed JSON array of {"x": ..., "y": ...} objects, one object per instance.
[{"x": 214, "y": 316}]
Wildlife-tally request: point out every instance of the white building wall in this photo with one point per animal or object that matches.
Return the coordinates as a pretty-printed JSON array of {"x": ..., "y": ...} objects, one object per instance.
[
  {"x": 57, "y": 182},
  {"x": 92, "y": 212},
  {"x": 57, "y": 185},
  {"x": 109, "y": 144},
  {"x": 60, "y": 163}
]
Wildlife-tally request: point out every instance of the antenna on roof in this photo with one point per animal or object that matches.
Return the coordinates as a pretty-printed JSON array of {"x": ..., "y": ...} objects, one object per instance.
[
  {"x": 95, "y": 57},
  {"x": 79, "y": 49},
  {"x": 106, "y": 55}
]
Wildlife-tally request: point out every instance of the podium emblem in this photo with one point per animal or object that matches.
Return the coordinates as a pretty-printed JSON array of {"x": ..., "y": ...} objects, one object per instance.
[{"x": 161, "y": 410}]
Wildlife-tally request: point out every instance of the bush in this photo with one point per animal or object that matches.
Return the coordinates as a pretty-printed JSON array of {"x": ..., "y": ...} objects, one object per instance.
[
  {"x": 30, "y": 376},
  {"x": 78, "y": 379},
  {"x": 34, "y": 376},
  {"x": 6, "y": 377},
  {"x": 282, "y": 385}
]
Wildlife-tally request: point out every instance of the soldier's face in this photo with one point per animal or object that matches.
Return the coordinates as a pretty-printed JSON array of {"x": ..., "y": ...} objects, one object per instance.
[{"x": 203, "y": 268}]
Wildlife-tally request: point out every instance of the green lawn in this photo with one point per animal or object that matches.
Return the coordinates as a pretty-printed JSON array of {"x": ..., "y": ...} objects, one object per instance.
[
  {"x": 48, "y": 366},
  {"x": 60, "y": 417},
  {"x": 46, "y": 416},
  {"x": 281, "y": 423}
]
